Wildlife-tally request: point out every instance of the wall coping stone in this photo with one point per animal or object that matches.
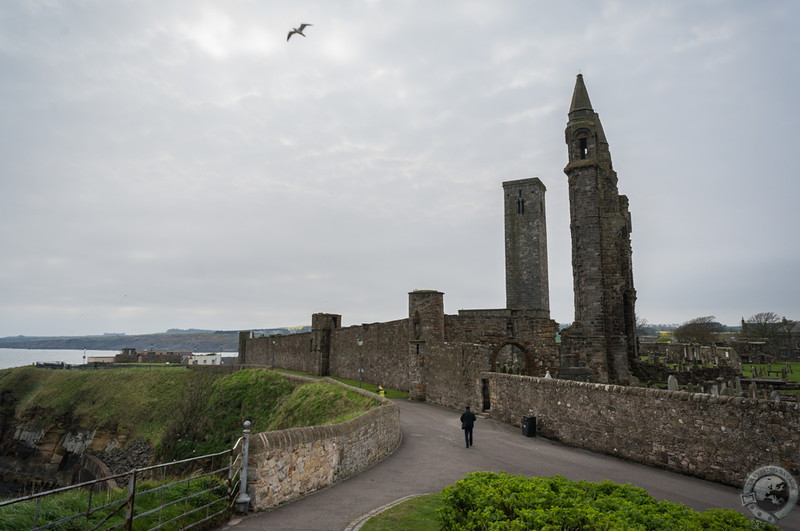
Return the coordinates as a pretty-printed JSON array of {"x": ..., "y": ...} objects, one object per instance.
[
  {"x": 374, "y": 434},
  {"x": 656, "y": 393}
]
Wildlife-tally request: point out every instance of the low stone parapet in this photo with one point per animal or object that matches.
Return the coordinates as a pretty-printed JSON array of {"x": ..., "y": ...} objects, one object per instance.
[
  {"x": 718, "y": 438},
  {"x": 287, "y": 464}
]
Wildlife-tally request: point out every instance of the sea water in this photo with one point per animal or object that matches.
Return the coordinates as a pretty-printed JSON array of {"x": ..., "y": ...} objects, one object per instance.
[{"x": 18, "y": 357}]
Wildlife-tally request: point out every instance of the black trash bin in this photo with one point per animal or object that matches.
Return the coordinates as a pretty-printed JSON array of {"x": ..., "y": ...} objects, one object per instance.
[{"x": 529, "y": 426}]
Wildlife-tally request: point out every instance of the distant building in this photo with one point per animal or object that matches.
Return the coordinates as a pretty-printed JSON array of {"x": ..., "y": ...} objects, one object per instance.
[
  {"x": 100, "y": 359},
  {"x": 205, "y": 359},
  {"x": 131, "y": 355}
]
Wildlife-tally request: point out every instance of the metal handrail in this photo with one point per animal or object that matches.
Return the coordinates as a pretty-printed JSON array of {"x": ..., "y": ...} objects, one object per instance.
[{"x": 129, "y": 501}]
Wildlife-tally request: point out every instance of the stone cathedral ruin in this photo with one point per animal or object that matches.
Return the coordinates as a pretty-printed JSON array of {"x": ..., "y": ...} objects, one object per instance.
[
  {"x": 499, "y": 359},
  {"x": 439, "y": 357}
]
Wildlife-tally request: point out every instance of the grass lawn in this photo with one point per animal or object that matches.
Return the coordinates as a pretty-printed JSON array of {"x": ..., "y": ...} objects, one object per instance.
[
  {"x": 371, "y": 387},
  {"x": 416, "y": 514},
  {"x": 793, "y": 376}
]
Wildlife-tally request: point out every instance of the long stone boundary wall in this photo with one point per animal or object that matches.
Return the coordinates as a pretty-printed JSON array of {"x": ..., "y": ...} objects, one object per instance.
[
  {"x": 718, "y": 438},
  {"x": 287, "y": 464},
  {"x": 381, "y": 358}
]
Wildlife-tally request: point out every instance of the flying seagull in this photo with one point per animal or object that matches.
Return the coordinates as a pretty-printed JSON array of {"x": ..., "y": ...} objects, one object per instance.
[{"x": 299, "y": 31}]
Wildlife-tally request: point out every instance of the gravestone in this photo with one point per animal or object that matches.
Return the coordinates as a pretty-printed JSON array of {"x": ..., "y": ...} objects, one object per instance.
[
  {"x": 672, "y": 383},
  {"x": 752, "y": 390}
]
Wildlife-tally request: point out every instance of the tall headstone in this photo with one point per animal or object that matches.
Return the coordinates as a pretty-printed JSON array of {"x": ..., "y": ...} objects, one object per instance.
[
  {"x": 672, "y": 383},
  {"x": 603, "y": 334}
]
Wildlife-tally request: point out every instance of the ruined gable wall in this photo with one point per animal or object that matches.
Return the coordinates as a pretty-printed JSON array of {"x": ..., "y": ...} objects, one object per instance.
[{"x": 717, "y": 438}]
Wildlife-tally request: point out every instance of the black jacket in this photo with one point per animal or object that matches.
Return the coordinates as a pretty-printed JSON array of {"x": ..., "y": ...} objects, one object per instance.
[{"x": 467, "y": 419}]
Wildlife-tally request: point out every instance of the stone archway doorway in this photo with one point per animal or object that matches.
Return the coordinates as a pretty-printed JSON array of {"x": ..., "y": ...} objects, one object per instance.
[{"x": 513, "y": 357}]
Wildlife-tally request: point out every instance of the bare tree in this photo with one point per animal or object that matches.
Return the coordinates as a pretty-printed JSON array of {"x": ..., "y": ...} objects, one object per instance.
[
  {"x": 701, "y": 330},
  {"x": 761, "y": 325},
  {"x": 643, "y": 328}
]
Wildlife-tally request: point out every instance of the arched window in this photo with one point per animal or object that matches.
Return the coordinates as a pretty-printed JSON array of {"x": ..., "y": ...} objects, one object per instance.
[{"x": 582, "y": 144}]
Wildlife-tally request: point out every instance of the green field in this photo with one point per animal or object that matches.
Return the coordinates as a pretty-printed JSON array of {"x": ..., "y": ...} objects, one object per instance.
[{"x": 792, "y": 376}]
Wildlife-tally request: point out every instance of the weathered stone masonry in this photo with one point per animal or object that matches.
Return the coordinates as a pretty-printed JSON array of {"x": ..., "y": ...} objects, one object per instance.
[
  {"x": 602, "y": 338},
  {"x": 718, "y": 438},
  {"x": 456, "y": 359},
  {"x": 526, "y": 246},
  {"x": 434, "y": 356},
  {"x": 286, "y": 464}
]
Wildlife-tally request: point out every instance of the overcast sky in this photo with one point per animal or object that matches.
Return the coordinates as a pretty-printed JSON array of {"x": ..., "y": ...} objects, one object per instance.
[{"x": 179, "y": 164}]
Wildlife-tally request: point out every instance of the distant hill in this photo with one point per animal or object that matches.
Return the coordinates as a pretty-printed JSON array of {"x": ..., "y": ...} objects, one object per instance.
[{"x": 171, "y": 340}]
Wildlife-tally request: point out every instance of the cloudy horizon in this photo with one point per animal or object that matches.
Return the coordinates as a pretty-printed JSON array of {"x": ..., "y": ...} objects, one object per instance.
[{"x": 180, "y": 164}]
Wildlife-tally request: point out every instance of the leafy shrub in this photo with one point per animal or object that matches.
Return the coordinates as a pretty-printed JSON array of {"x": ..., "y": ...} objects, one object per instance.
[{"x": 499, "y": 501}]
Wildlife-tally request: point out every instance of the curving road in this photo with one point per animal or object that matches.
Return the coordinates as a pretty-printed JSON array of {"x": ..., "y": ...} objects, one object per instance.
[{"x": 433, "y": 455}]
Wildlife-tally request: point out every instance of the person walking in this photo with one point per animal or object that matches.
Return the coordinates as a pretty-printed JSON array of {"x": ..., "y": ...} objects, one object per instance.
[{"x": 467, "y": 423}]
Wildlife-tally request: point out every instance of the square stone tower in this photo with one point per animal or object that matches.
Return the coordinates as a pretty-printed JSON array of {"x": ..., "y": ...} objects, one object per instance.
[
  {"x": 526, "y": 246},
  {"x": 602, "y": 339}
]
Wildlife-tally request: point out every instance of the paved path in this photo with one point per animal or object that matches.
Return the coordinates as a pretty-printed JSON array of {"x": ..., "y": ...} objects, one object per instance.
[{"x": 432, "y": 456}]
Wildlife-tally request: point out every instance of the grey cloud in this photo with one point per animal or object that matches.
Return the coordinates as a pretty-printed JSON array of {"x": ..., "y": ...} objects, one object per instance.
[{"x": 169, "y": 165}]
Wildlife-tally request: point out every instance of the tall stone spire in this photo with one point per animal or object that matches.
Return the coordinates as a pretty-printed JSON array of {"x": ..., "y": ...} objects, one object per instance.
[
  {"x": 602, "y": 339},
  {"x": 581, "y": 105}
]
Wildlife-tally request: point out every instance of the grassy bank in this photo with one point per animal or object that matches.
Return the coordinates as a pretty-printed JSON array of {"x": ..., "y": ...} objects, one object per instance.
[
  {"x": 137, "y": 402},
  {"x": 366, "y": 386},
  {"x": 181, "y": 413}
]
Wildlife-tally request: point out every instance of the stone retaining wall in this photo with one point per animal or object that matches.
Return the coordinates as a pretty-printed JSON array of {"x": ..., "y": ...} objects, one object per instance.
[
  {"x": 287, "y": 464},
  {"x": 718, "y": 438}
]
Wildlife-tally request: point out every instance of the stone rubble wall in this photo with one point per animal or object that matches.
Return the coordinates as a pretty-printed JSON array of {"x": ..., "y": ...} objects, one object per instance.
[
  {"x": 382, "y": 356},
  {"x": 400, "y": 354},
  {"x": 717, "y": 438},
  {"x": 454, "y": 374},
  {"x": 287, "y": 464}
]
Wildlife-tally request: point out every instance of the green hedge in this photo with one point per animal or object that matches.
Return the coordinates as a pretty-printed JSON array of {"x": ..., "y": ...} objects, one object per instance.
[{"x": 499, "y": 501}]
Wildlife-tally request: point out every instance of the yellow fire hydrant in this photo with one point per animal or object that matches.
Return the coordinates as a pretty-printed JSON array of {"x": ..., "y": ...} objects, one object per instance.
[{"x": 381, "y": 391}]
